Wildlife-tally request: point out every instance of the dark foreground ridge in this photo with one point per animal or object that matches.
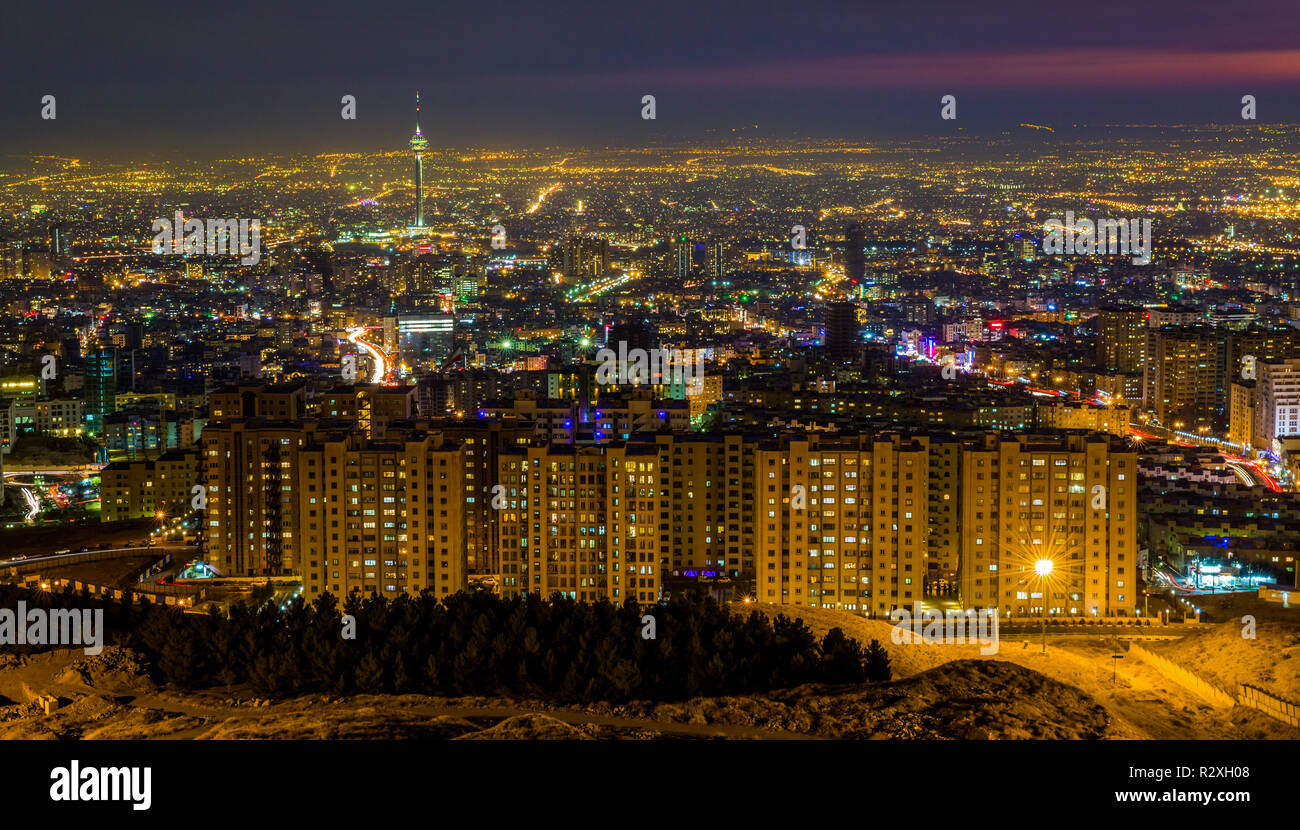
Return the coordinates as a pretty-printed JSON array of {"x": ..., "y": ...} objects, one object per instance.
[{"x": 479, "y": 644}]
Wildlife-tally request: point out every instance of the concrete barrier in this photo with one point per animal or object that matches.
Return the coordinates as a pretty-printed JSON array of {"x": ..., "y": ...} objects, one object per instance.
[
  {"x": 37, "y": 563},
  {"x": 49, "y": 703},
  {"x": 175, "y": 595}
]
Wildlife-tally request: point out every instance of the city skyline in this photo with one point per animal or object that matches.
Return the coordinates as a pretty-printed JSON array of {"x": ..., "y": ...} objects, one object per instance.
[{"x": 702, "y": 371}]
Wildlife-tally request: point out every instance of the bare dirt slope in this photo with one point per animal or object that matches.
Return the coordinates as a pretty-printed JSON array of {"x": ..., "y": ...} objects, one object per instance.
[
  {"x": 1139, "y": 701},
  {"x": 1220, "y": 654}
]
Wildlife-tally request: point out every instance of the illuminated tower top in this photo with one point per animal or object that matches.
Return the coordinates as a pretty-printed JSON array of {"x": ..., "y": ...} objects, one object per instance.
[{"x": 418, "y": 142}]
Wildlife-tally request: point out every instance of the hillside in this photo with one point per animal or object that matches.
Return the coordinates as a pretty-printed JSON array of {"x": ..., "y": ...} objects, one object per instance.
[{"x": 109, "y": 697}]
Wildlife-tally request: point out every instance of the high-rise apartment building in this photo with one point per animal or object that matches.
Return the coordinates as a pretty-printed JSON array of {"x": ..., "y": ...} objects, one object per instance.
[
  {"x": 275, "y": 402},
  {"x": 842, "y": 331},
  {"x": 716, "y": 262},
  {"x": 1121, "y": 339},
  {"x": 1183, "y": 358},
  {"x": 843, "y": 524},
  {"x": 1186, "y": 368},
  {"x": 370, "y": 406},
  {"x": 858, "y": 523},
  {"x": 149, "y": 489},
  {"x": 1277, "y": 401},
  {"x": 100, "y": 389},
  {"x": 864, "y": 523},
  {"x": 249, "y": 470},
  {"x": 1070, "y": 500},
  {"x": 60, "y": 245},
  {"x": 584, "y": 256},
  {"x": 1241, "y": 412},
  {"x": 482, "y": 442},
  {"x": 1157, "y": 319},
  {"x": 582, "y": 522},
  {"x": 855, "y": 263},
  {"x": 1244, "y": 349},
  {"x": 380, "y": 517},
  {"x": 685, "y": 256}
]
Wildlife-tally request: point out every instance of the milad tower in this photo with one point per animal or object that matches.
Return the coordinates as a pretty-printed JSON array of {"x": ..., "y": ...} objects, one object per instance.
[{"x": 418, "y": 145}]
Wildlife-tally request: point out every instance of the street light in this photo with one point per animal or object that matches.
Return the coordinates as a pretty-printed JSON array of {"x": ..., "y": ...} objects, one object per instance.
[{"x": 1043, "y": 567}]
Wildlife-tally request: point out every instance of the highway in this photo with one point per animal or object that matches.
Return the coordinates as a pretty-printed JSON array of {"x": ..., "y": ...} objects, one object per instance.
[
  {"x": 1252, "y": 473},
  {"x": 11, "y": 479},
  {"x": 146, "y": 548},
  {"x": 381, "y": 362},
  {"x": 33, "y": 505}
]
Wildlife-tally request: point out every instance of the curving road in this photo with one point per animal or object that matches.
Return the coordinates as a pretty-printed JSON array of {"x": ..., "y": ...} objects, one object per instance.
[{"x": 377, "y": 356}]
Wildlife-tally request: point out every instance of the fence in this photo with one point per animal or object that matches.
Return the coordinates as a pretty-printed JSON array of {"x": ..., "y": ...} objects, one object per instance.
[
  {"x": 1247, "y": 695},
  {"x": 179, "y": 595},
  {"x": 156, "y": 567},
  {"x": 1272, "y": 705},
  {"x": 1185, "y": 678}
]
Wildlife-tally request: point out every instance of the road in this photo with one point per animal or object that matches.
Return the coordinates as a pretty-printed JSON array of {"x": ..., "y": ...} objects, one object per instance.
[
  {"x": 160, "y": 548},
  {"x": 33, "y": 504},
  {"x": 1251, "y": 472},
  {"x": 377, "y": 356},
  {"x": 11, "y": 479}
]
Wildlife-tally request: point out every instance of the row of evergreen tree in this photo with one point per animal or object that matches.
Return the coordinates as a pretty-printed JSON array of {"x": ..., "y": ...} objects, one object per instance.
[{"x": 481, "y": 644}]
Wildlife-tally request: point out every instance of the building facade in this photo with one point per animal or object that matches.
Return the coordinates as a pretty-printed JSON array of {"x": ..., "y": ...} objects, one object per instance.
[{"x": 1070, "y": 500}]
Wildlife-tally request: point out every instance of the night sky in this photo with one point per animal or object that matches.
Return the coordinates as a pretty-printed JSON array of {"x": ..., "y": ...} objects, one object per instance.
[{"x": 227, "y": 78}]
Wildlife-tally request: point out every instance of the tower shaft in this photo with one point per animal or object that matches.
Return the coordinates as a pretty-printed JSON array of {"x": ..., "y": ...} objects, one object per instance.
[
  {"x": 418, "y": 145},
  {"x": 419, "y": 191}
]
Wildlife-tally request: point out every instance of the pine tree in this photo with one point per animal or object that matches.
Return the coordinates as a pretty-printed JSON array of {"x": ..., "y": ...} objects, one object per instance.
[
  {"x": 842, "y": 658},
  {"x": 401, "y": 682},
  {"x": 370, "y": 675},
  {"x": 877, "y": 663},
  {"x": 432, "y": 676}
]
